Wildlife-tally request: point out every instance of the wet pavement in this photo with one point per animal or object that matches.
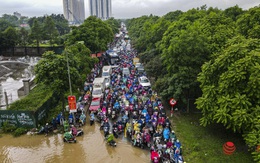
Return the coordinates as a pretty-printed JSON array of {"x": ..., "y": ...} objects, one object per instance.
[{"x": 89, "y": 148}]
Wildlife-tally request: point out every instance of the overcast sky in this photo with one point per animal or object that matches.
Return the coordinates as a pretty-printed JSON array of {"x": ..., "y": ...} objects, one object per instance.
[{"x": 120, "y": 8}]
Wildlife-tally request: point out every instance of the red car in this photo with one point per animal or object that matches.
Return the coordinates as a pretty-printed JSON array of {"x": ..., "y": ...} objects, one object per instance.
[{"x": 95, "y": 105}]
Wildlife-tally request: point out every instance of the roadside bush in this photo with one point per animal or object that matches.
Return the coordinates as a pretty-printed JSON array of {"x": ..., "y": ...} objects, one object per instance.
[
  {"x": 6, "y": 128},
  {"x": 34, "y": 100},
  {"x": 19, "y": 132}
]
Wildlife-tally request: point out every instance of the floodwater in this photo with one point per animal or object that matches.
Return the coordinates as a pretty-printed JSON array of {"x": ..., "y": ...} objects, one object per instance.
[{"x": 89, "y": 148}]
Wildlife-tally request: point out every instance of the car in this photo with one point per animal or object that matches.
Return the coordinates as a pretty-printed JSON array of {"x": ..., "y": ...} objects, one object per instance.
[
  {"x": 140, "y": 70},
  {"x": 97, "y": 93},
  {"x": 95, "y": 105},
  {"x": 144, "y": 81},
  {"x": 138, "y": 64},
  {"x": 126, "y": 71}
]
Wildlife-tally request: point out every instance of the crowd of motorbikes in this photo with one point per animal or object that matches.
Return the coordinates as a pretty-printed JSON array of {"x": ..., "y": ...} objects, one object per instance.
[
  {"x": 127, "y": 109},
  {"x": 136, "y": 112}
]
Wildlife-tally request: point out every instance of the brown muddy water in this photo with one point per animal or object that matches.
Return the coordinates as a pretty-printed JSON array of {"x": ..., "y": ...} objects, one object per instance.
[{"x": 89, "y": 148}]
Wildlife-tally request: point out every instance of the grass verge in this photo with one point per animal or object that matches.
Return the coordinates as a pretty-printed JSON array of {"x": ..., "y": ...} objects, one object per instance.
[{"x": 204, "y": 144}]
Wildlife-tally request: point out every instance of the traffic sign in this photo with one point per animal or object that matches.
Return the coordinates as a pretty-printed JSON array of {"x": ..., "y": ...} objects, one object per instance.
[
  {"x": 172, "y": 102},
  {"x": 72, "y": 103}
]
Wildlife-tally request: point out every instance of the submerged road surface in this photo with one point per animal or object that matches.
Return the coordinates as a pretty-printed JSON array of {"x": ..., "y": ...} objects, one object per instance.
[{"x": 90, "y": 148}]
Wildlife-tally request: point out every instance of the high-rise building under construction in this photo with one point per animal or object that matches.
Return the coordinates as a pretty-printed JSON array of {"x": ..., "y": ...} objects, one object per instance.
[
  {"x": 74, "y": 11},
  {"x": 100, "y": 8}
]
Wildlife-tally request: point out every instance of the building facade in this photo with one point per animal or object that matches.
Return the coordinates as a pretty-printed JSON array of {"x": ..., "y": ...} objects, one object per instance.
[
  {"x": 100, "y": 8},
  {"x": 74, "y": 11}
]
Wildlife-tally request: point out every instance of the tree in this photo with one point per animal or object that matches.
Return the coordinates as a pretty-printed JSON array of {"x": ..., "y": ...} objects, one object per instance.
[
  {"x": 36, "y": 32},
  {"x": 50, "y": 31},
  {"x": 4, "y": 24},
  {"x": 24, "y": 36},
  {"x": 248, "y": 23},
  {"x": 114, "y": 24},
  {"x": 183, "y": 53},
  {"x": 230, "y": 86},
  {"x": 10, "y": 37},
  {"x": 94, "y": 32},
  {"x": 233, "y": 12}
]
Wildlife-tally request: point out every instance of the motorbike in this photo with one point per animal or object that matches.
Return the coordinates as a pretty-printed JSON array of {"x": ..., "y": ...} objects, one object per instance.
[
  {"x": 67, "y": 137},
  {"x": 79, "y": 132},
  {"x": 114, "y": 115},
  {"x": 157, "y": 140},
  {"x": 92, "y": 119},
  {"x": 109, "y": 112},
  {"x": 112, "y": 143},
  {"x": 155, "y": 157},
  {"x": 115, "y": 132},
  {"x": 120, "y": 128},
  {"x": 129, "y": 132},
  {"x": 106, "y": 131},
  {"x": 147, "y": 140}
]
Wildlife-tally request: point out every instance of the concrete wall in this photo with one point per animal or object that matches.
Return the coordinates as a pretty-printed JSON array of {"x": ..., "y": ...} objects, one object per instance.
[{"x": 21, "y": 91}]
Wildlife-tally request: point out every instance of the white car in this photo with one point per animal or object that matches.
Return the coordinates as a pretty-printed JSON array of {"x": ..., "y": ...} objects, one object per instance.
[
  {"x": 126, "y": 72},
  {"x": 97, "y": 93},
  {"x": 144, "y": 81}
]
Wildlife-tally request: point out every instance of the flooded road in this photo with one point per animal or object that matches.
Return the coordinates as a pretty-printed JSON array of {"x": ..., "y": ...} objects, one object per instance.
[{"x": 90, "y": 148}]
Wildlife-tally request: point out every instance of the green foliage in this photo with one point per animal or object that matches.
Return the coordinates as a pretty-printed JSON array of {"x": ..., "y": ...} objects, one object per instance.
[
  {"x": 10, "y": 37},
  {"x": 7, "y": 128},
  {"x": 230, "y": 84},
  {"x": 248, "y": 23},
  {"x": 95, "y": 33},
  {"x": 19, "y": 132},
  {"x": 40, "y": 94},
  {"x": 114, "y": 24},
  {"x": 49, "y": 30},
  {"x": 23, "y": 36},
  {"x": 36, "y": 32}
]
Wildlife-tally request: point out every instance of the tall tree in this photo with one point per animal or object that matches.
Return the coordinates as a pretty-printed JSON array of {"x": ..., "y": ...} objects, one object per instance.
[
  {"x": 230, "y": 85},
  {"x": 248, "y": 23},
  {"x": 94, "y": 32},
  {"x": 10, "y": 37},
  {"x": 24, "y": 36},
  {"x": 50, "y": 31},
  {"x": 36, "y": 32}
]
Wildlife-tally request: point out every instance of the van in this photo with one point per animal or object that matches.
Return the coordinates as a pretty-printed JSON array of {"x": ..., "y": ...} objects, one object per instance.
[
  {"x": 99, "y": 83},
  {"x": 106, "y": 71}
]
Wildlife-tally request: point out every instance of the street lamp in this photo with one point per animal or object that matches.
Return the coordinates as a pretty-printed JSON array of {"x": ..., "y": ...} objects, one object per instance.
[{"x": 68, "y": 67}]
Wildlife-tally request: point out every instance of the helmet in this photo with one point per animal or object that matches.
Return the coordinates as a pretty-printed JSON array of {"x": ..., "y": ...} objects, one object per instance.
[
  {"x": 110, "y": 132},
  {"x": 177, "y": 141},
  {"x": 172, "y": 131},
  {"x": 47, "y": 124}
]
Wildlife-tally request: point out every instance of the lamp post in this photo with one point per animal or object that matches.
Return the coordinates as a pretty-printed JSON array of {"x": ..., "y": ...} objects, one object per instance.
[{"x": 68, "y": 67}]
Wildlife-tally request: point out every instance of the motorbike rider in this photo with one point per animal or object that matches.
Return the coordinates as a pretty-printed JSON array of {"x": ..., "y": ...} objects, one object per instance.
[
  {"x": 166, "y": 133},
  {"x": 115, "y": 125},
  {"x": 137, "y": 136},
  {"x": 110, "y": 137},
  {"x": 74, "y": 130},
  {"x": 46, "y": 129},
  {"x": 68, "y": 135},
  {"x": 172, "y": 135},
  {"x": 169, "y": 144},
  {"x": 70, "y": 119},
  {"x": 83, "y": 117}
]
